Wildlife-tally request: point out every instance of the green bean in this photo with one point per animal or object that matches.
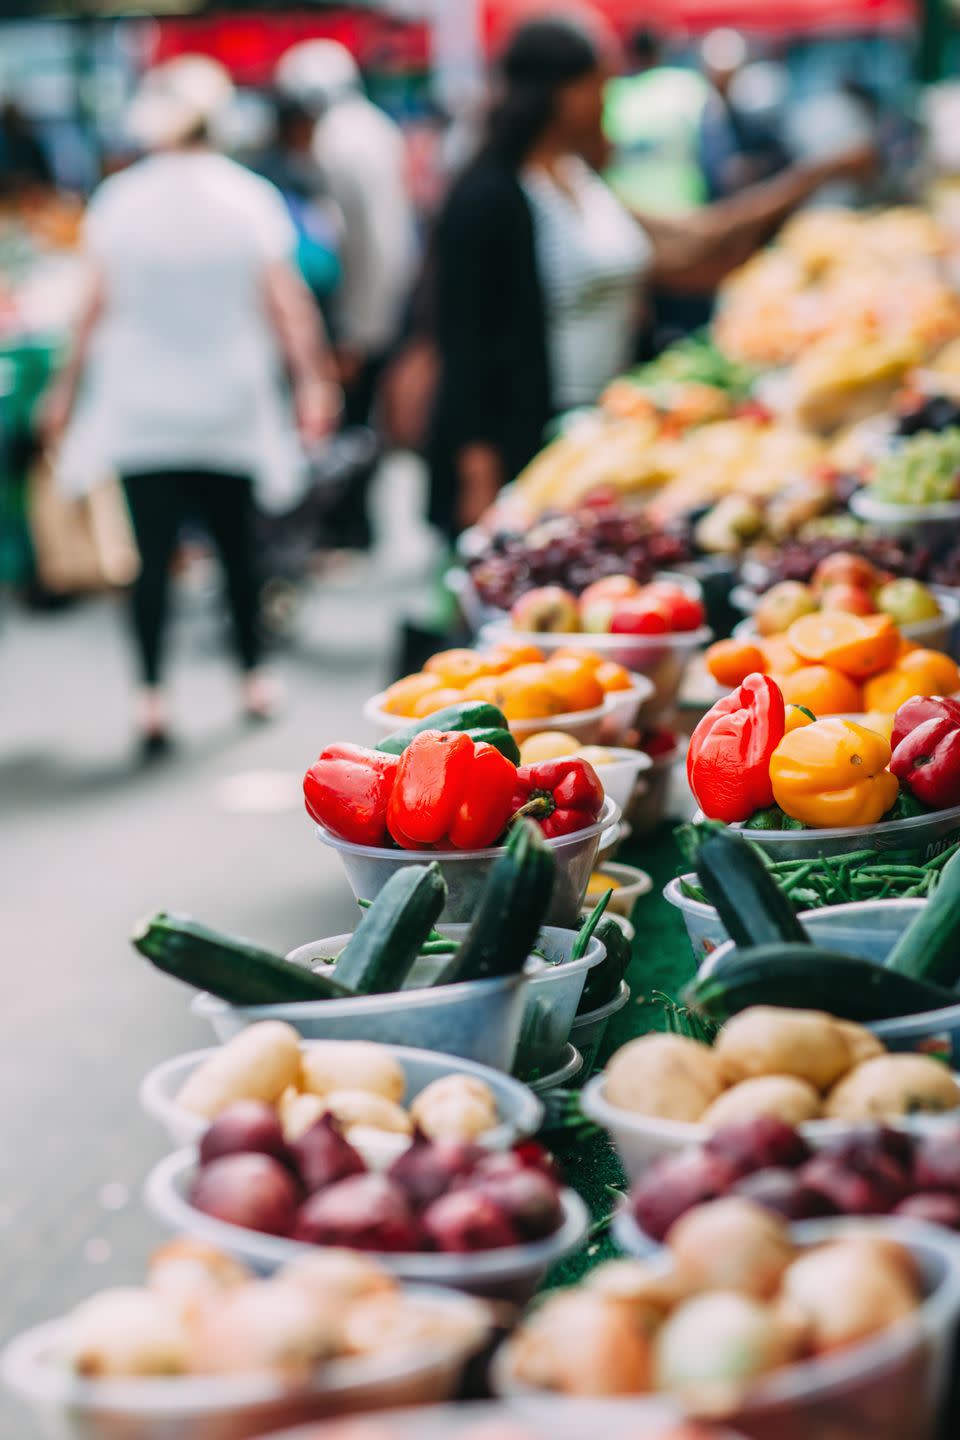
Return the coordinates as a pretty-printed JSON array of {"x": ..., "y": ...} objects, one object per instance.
[
  {"x": 798, "y": 876},
  {"x": 938, "y": 862},
  {"x": 439, "y": 947}
]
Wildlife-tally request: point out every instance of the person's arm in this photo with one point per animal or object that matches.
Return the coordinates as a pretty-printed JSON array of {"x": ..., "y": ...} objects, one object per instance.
[
  {"x": 57, "y": 404},
  {"x": 722, "y": 235},
  {"x": 302, "y": 340}
]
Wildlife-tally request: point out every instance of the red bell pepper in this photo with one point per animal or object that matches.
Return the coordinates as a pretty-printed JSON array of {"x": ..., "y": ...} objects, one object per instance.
[
  {"x": 450, "y": 792},
  {"x": 728, "y": 762},
  {"x": 926, "y": 756},
  {"x": 347, "y": 791},
  {"x": 561, "y": 795}
]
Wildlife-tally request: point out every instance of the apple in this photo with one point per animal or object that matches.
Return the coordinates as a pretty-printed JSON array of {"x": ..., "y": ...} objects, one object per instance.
[
  {"x": 598, "y": 601},
  {"x": 781, "y": 605},
  {"x": 549, "y": 608},
  {"x": 845, "y": 568},
  {"x": 640, "y": 615},
  {"x": 851, "y": 598},
  {"x": 907, "y": 601}
]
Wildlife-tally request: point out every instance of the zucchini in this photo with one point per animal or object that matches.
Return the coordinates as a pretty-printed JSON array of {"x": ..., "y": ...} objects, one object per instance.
[
  {"x": 803, "y": 977},
  {"x": 753, "y": 908},
  {"x": 603, "y": 981},
  {"x": 511, "y": 909},
  {"x": 381, "y": 951},
  {"x": 234, "y": 970},
  {"x": 466, "y": 715},
  {"x": 930, "y": 948}
]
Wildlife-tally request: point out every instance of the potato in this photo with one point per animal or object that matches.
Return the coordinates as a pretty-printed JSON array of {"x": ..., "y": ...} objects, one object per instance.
[
  {"x": 785, "y": 1096},
  {"x": 127, "y": 1331},
  {"x": 257, "y": 1064},
  {"x": 664, "y": 1076},
  {"x": 189, "y": 1271},
  {"x": 351, "y": 1065},
  {"x": 731, "y": 1244},
  {"x": 713, "y": 1345},
  {"x": 637, "y": 1284},
  {"x": 455, "y": 1107},
  {"x": 346, "y": 1275},
  {"x": 266, "y": 1325},
  {"x": 892, "y": 1085},
  {"x": 862, "y": 1044},
  {"x": 766, "y": 1040},
  {"x": 843, "y": 1293},
  {"x": 298, "y": 1112},
  {"x": 361, "y": 1107},
  {"x": 580, "y": 1343}
]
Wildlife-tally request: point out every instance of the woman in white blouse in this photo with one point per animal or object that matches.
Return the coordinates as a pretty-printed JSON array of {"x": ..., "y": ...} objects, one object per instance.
[
  {"x": 540, "y": 270},
  {"x": 176, "y": 378}
]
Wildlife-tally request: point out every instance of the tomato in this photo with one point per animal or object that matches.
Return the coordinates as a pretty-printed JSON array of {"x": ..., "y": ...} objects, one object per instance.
[{"x": 684, "y": 611}]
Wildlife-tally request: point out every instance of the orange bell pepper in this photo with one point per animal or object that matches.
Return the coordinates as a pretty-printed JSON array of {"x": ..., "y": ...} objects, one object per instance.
[
  {"x": 857, "y": 645},
  {"x": 832, "y": 773},
  {"x": 796, "y": 717}
]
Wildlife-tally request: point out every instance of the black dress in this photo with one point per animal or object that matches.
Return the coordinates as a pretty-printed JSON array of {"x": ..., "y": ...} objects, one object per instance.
[{"x": 494, "y": 382}]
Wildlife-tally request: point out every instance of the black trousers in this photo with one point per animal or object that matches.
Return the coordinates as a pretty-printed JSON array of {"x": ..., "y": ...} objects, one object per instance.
[{"x": 160, "y": 502}]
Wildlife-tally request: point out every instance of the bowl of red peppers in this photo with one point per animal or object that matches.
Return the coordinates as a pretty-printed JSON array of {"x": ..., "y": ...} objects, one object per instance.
[
  {"x": 452, "y": 798},
  {"x": 803, "y": 787}
]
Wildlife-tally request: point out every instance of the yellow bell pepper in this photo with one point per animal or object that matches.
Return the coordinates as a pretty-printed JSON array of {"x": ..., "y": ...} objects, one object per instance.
[{"x": 833, "y": 772}]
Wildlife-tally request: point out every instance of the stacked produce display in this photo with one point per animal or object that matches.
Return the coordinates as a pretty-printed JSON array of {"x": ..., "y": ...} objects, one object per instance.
[{"x": 747, "y": 1218}]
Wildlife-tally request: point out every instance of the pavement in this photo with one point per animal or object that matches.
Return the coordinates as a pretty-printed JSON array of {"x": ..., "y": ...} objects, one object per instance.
[{"x": 90, "y": 842}]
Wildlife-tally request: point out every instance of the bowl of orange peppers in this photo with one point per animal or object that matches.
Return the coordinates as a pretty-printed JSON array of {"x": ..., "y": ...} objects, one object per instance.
[
  {"x": 573, "y": 689},
  {"x": 452, "y": 799},
  {"x": 835, "y": 663},
  {"x": 805, "y": 787}
]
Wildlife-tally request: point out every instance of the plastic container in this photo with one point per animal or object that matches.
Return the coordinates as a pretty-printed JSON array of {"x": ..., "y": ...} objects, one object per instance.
[
  {"x": 662, "y": 658},
  {"x": 648, "y": 806},
  {"x": 568, "y": 1067},
  {"x": 520, "y": 1112},
  {"x": 553, "y": 987},
  {"x": 608, "y": 722},
  {"x": 640, "y": 1139},
  {"x": 480, "y": 1020},
  {"x": 860, "y": 928},
  {"x": 930, "y": 834},
  {"x": 234, "y": 1407},
  {"x": 511, "y": 1273},
  {"x": 931, "y": 525},
  {"x": 369, "y": 868},
  {"x": 890, "y": 1387},
  {"x": 590, "y": 1028},
  {"x": 630, "y": 884},
  {"x": 624, "y": 774},
  {"x": 644, "y": 1418}
]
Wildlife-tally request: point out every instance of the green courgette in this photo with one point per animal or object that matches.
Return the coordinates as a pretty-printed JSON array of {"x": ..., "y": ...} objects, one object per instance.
[
  {"x": 753, "y": 908},
  {"x": 466, "y": 715},
  {"x": 804, "y": 977},
  {"x": 513, "y": 905},
  {"x": 930, "y": 948},
  {"x": 232, "y": 969},
  {"x": 380, "y": 953},
  {"x": 603, "y": 981}
]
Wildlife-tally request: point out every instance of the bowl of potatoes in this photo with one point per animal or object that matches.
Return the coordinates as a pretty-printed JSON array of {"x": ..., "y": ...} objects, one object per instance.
[{"x": 823, "y": 1075}]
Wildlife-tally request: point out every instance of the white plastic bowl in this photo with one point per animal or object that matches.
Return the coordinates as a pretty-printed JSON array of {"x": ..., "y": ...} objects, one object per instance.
[
  {"x": 889, "y": 1387},
  {"x": 641, "y": 1139},
  {"x": 631, "y": 883},
  {"x": 622, "y": 775},
  {"x": 570, "y": 1066},
  {"x": 369, "y": 867},
  {"x": 930, "y": 834},
  {"x": 590, "y": 1029},
  {"x": 927, "y": 524},
  {"x": 520, "y": 1112},
  {"x": 608, "y": 721},
  {"x": 662, "y": 658},
  {"x": 234, "y": 1407},
  {"x": 513, "y": 1272},
  {"x": 856, "y": 928}
]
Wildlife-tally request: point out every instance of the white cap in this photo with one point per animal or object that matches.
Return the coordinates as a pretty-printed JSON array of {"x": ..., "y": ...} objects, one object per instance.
[
  {"x": 317, "y": 73},
  {"x": 176, "y": 98}
]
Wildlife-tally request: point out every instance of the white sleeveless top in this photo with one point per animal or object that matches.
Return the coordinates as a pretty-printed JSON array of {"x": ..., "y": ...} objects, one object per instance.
[{"x": 591, "y": 255}]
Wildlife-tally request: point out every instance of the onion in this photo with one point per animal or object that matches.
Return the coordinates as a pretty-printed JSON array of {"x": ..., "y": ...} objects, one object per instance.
[
  {"x": 468, "y": 1220},
  {"x": 365, "y": 1212},
  {"x": 429, "y": 1168},
  {"x": 251, "y": 1190},
  {"x": 526, "y": 1197},
  {"x": 323, "y": 1156},
  {"x": 245, "y": 1127}
]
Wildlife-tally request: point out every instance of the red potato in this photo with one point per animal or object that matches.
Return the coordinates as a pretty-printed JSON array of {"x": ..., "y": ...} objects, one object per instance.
[
  {"x": 427, "y": 1169},
  {"x": 468, "y": 1220},
  {"x": 255, "y": 1191},
  {"x": 849, "y": 1191},
  {"x": 323, "y": 1155},
  {"x": 784, "y": 1192},
  {"x": 529, "y": 1200},
  {"x": 245, "y": 1127},
  {"x": 365, "y": 1212},
  {"x": 674, "y": 1184},
  {"x": 756, "y": 1144}
]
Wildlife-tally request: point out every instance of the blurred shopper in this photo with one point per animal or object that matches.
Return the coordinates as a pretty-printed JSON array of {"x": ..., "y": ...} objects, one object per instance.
[
  {"x": 362, "y": 156},
  {"x": 175, "y": 378},
  {"x": 23, "y": 160},
  {"x": 538, "y": 268}
]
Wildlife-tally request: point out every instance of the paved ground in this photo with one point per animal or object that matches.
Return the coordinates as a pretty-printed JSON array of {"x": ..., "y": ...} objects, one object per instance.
[{"x": 88, "y": 844}]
